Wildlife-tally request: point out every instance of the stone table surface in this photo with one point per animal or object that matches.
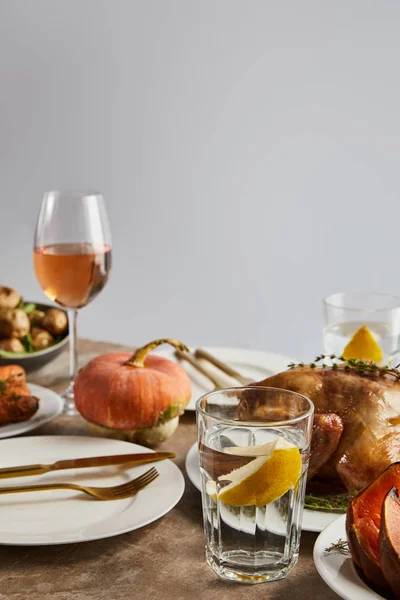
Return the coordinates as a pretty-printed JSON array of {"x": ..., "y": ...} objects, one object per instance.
[{"x": 164, "y": 560}]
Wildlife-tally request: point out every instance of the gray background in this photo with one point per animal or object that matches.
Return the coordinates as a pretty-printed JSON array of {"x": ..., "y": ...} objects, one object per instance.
[{"x": 248, "y": 152}]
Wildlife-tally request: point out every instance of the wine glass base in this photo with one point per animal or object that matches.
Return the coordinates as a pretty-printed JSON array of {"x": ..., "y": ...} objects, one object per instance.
[
  {"x": 69, "y": 402},
  {"x": 70, "y": 410}
]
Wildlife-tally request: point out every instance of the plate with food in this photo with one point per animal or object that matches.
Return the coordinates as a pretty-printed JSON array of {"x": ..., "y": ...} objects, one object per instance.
[
  {"x": 356, "y": 428},
  {"x": 334, "y": 564},
  {"x": 31, "y": 334},
  {"x": 358, "y": 556},
  {"x": 69, "y": 516},
  {"x": 24, "y": 407}
]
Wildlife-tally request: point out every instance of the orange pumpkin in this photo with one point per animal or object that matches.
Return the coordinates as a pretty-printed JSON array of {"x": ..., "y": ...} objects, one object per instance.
[{"x": 124, "y": 392}]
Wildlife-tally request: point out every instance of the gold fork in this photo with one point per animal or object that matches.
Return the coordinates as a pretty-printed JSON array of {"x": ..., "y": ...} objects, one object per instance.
[{"x": 116, "y": 492}]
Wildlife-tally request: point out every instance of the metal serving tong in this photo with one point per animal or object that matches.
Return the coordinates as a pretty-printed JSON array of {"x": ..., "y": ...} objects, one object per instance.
[{"x": 196, "y": 360}]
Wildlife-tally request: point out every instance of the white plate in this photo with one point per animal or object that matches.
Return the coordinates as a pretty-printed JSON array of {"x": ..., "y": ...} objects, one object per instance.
[
  {"x": 313, "y": 520},
  {"x": 337, "y": 570},
  {"x": 63, "y": 516},
  {"x": 255, "y": 364},
  {"x": 50, "y": 406}
]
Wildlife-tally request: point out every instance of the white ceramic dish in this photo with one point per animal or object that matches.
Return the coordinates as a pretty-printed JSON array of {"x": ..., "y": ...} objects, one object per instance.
[
  {"x": 64, "y": 516},
  {"x": 50, "y": 406},
  {"x": 255, "y": 364},
  {"x": 337, "y": 570},
  {"x": 313, "y": 520}
]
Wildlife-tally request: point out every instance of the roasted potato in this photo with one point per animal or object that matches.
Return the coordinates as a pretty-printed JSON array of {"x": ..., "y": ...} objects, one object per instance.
[
  {"x": 41, "y": 338},
  {"x": 11, "y": 345},
  {"x": 55, "y": 321},
  {"x": 9, "y": 298},
  {"x": 13, "y": 323},
  {"x": 36, "y": 317}
]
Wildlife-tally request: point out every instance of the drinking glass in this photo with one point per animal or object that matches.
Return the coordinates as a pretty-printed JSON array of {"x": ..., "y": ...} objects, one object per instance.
[
  {"x": 254, "y": 536},
  {"x": 72, "y": 259},
  {"x": 345, "y": 313}
]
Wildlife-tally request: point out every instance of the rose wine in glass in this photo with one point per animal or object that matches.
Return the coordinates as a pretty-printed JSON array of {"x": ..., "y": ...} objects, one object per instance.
[{"x": 72, "y": 259}]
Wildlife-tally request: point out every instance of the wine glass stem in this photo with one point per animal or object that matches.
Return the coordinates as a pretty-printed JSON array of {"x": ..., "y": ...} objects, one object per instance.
[{"x": 69, "y": 408}]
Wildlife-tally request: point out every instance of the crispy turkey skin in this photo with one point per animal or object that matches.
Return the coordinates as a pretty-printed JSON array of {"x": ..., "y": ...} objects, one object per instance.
[{"x": 368, "y": 407}]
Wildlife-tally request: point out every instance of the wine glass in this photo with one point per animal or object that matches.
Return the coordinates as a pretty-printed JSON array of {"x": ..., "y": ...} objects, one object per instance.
[{"x": 72, "y": 259}]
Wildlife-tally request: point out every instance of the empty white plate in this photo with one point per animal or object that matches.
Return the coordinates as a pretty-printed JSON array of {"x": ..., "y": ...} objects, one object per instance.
[{"x": 64, "y": 516}]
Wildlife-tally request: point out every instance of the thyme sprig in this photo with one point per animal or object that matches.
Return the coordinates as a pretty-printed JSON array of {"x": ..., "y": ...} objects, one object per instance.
[
  {"x": 339, "y": 547},
  {"x": 351, "y": 364},
  {"x": 329, "y": 502}
]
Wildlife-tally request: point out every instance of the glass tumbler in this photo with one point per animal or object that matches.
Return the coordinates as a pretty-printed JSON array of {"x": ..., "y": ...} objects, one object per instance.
[
  {"x": 254, "y": 445},
  {"x": 371, "y": 316}
]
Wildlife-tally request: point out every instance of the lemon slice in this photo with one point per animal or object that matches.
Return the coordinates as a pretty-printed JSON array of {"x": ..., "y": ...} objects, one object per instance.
[
  {"x": 261, "y": 449},
  {"x": 264, "y": 479},
  {"x": 363, "y": 345}
]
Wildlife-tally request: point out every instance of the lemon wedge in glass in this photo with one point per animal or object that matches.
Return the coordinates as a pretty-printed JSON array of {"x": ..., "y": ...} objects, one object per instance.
[
  {"x": 276, "y": 469},
  {"x": 259, "y": 450},
  {"x": 363, "y": 345}
]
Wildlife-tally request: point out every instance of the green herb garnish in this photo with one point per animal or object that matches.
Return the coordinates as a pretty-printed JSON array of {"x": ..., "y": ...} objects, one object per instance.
[
  {"x": 328, "y": 503},
  {"x": 352, "y": 364},
  {"x": 28, "y": 308},
  {"x": 27, "y": 343},
  {"x": 340, "y": 547}
]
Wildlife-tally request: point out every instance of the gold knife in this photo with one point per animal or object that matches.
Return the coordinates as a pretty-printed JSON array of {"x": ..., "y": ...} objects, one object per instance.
[{"x": 79, "y": 463}]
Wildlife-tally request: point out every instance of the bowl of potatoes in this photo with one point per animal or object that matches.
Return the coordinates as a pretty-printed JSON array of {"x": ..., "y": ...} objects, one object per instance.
[{"x": 31, "y": 333}]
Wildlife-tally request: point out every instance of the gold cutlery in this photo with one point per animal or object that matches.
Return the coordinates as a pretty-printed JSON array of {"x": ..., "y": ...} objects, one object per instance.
[
  {"x": 195, "y": 363},
  {"x": 199, "y": 353},
  {"x": 202, "y": 354},
  {"x": 79, "y": 463},
  {"x": 116, "y": 492}
]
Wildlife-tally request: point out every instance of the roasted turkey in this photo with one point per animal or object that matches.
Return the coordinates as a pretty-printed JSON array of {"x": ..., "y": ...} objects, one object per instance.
[{"x": 357, "y": 421}]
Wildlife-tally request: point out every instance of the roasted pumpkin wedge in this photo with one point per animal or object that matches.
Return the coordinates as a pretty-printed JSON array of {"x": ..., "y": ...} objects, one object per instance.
[
  {"x": 389, "y": 540},
  {"x": 363, "y": 524}
]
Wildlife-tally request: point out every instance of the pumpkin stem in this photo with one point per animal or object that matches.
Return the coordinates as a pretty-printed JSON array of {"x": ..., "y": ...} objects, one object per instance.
[{"x": 137, "y": 359}]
